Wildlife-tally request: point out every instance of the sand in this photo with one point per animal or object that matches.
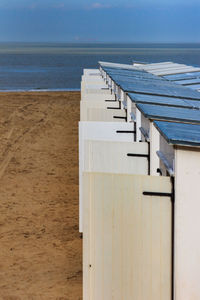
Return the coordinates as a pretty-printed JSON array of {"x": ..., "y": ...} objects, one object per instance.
[{"x": 40, "y": 246}]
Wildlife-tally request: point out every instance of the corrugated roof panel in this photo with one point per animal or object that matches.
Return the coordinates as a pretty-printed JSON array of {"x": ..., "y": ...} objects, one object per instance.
[
  {"x": 145, "y": 64},
  {"x": 131, "y": 79},
  {"x": 179, "y": 133},
  {"x": 188, "y": 81},
  {"x": 183, "y": 76},
  {"x": 140, "y": 81},
  {"x": 193, "y": 86},
  {"x": 175, "y": 71},
  {"x": 159, "y": 112},
  {"x": 166, "y": 67},
  {"x": 159, "y": 88},
  {"x": 161, "y": 100},
  {"x": 160, "y": 63},
  {"x": 122, "y": 72},
  {"x": 132, "y": 74},
  {"x": 116, "y": 65}
]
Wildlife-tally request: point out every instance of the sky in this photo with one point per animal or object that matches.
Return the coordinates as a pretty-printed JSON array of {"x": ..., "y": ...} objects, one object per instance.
[{"x": 100, "y": 20}]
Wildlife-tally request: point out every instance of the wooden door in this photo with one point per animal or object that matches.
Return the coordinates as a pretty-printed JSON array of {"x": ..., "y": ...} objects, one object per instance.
[{"x": 127, "y": 237}]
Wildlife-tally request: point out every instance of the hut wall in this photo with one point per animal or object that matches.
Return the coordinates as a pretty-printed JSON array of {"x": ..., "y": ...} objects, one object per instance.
[
  {"x": 85, "y": 105},
  {"x": 97, "y": 97},
  {"x": 127, "y": 238},
  {"x": 187, "y": 223},
  {"x": 99, "y": 131},
  {"x": 105, "y": 115},
  {"x": 154, "y": 147},
  {"x": 111, "y": 157}
]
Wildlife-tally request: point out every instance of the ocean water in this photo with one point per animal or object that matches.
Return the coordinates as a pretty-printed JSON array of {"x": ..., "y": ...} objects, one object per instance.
[{"x": 59, "y": 66}]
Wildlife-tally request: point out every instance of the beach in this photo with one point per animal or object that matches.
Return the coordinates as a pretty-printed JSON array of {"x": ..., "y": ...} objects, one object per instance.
[{"x": 41, "y": 250}]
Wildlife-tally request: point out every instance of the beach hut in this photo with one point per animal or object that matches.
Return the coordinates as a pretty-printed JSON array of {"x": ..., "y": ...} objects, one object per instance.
[
  {"x": 120, "y": 159},
  {"x": 134, "y": 187}
]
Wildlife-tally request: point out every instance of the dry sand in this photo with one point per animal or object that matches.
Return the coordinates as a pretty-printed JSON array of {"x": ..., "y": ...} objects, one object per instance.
[{"x": 40, "y": 247}]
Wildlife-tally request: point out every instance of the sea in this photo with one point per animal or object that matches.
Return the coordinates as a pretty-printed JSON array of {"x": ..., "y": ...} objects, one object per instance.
[{"x": 59, "y": 66}]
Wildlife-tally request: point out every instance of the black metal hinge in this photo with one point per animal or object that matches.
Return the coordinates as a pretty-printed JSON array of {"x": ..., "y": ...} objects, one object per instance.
[
  {"x": 113, "y": 107},
  {"x": 125, "y": 131},
  {"x": 110, "y": 100},
  {"x": 119, "y": 117},
  {"x": 138, "y": 155},
  {"x": 159, "y": 194}
]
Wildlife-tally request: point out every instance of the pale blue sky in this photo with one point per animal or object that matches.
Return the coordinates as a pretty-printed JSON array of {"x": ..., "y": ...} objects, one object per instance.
[{"x": 109, "y": 21}]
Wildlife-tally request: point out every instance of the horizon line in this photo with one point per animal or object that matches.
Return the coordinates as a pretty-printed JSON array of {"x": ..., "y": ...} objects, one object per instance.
[{"x": 104, "y": 42}]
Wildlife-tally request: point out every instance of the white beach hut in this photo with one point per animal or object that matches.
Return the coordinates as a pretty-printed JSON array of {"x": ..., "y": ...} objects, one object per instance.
[{"x": 139, "y": 240}]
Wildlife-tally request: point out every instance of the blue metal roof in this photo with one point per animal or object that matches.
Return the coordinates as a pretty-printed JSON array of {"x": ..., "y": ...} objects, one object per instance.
[
  {"x": 131, "y": 73},
  {"x": 179, "y": 133},
  {"x": 162, "y": 100},
  {"x": 118, "y": 79},
  {"x": 113, "y": 69},
  {"x": 160, "y": 112},
  {"x": 187, "y": 75},
  {"x": 194, "y": 86},
  {"x": 160, "y": 88},
  {"x": 188, "y": 81},
  {"x": 140, "y": 81}
]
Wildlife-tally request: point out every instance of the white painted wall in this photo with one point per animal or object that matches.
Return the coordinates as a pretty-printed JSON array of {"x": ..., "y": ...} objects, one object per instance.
[
  {"x": 85, "y": 105},
  {"x": 187, "y": 224},
  {"x": 129, "y": 108},
  {"x": 111, "y": 157},
  {"x": 91, "y": 71},
  {"x": 94, "y": 86},
  {"x": 95, "y": 90},
  {"x": 93, "y": 82},
  {"x": 104, "y": 115},
  {"x": 91, "y": 77},
  {"x": 97, "y": 96},
  {"x": 154, "y": 147},
  {"x": 105, "y": 131},
  {"x": 138, "y": 125}
]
